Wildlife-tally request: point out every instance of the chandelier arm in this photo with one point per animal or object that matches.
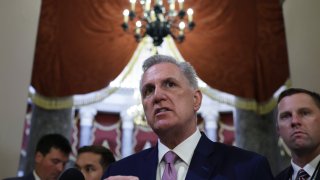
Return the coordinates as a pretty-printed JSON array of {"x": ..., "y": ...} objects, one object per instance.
[{"x": 158, "y": 23}]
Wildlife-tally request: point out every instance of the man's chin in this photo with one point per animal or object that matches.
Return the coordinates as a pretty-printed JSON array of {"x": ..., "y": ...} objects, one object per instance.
[
  {"x": 162, "y": 125},
  {"x": 54, "y": 177}
]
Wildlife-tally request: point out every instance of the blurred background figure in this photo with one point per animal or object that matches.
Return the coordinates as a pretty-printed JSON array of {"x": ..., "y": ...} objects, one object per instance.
[
  {"x": 93, "y": 160},
  {"x": 71, "y": 173},
  {"x": 51, "y": 156},
  {"x": 298, "y": 123}
]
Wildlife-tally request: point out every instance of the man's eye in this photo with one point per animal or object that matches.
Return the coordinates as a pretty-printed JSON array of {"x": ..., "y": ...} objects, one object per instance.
[
  {"x": 284, "y": 116},
  {"x": 55, "y": 161},
  {"x": 170, "y": 84},
  {"x": 89, "y": 169},
  {"x": 148, "y": 91},
  {"x": 305, "y": 113}
]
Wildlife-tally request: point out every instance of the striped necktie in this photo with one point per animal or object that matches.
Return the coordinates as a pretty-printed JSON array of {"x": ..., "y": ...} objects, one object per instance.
[{"x": 302, "y": 175}]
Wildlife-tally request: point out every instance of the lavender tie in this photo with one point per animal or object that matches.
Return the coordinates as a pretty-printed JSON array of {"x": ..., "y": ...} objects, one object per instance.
[
  {"x": 170, "y": 172},
  {"x": 302, "y": 175}
]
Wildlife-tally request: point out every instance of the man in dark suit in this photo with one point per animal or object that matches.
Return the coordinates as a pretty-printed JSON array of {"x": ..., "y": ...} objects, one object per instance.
[
  {"x": 52, "y": 154},
  {"x": 93, "y": 160},
  {"x": 298, "y": 124},
  {"x": 171, "y": 98}
]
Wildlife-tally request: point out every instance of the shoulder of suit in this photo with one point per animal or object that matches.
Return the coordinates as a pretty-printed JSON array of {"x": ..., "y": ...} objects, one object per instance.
[
  {"x": 228, "y": 149},
  {"x": 284, "y": 174},
  {"x": 142, "y": 154}
]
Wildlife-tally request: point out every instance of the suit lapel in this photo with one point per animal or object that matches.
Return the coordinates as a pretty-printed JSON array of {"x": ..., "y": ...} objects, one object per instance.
[
  {"x": 150, "y": 164},
  {"x": 318, "y": 175},
  {"x": 289, "y": 172},
  {"x": 285, "y": 174},
  {"x": 203, "y": 164}
]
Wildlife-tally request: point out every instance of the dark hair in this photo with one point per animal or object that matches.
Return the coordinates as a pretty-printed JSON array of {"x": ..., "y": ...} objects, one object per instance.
[
  {"x": 315, "y": 96},
  {"x": 185, "y": 67},
  {"x": 49, "y": 141},
  {"x": 106, "y": 155}
]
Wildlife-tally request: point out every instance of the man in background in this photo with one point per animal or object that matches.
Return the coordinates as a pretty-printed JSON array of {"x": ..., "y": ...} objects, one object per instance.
[
  {"x": 298, "y": 124},
  {"x": 93, "y": 160},
  {"x": 51, "y": 156}
]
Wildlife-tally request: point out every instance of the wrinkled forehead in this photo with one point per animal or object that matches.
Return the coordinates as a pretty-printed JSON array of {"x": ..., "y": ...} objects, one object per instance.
[
  {"x": 296, "y": 101},
  {"x": 161, "y": 70}
]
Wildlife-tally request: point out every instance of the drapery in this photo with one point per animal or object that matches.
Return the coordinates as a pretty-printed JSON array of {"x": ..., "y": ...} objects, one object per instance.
[{"x": 238, "y": 47}]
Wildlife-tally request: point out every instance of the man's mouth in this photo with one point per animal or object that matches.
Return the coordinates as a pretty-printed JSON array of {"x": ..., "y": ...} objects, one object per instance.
[
  {"x": 161, "y": 110},
  {"x": 297, "y": 133}
]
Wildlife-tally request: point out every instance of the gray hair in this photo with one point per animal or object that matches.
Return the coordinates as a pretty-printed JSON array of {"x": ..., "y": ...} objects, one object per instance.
[{"x": 185, "y": 67}]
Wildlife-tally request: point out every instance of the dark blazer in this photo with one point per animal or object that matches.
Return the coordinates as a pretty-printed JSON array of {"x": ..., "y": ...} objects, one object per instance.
[
  {"x": 210, "y": 160},
  {"x": 27, "y": 177},
  {"x": 287, "y": 173}
]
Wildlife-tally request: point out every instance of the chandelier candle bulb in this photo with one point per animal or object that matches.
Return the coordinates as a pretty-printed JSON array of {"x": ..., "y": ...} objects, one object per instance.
[
  {"x": 190, "y": 15},
  {"x": 159, "y": 2},
  {"x": 161, "y": 17},
  {"x": 181, "y": 4},
  {"x": 153, "y": 16},
  {"x": 148, "y": 5},
  {"x": 138, "y": 27},
  {"x": 172, "y": 6},
  {"x": 133, "y": 5},
  {"x": 182, "y": 25},
  {"x": 125, "y": 16},
  {"x": 142, "y": 2}
]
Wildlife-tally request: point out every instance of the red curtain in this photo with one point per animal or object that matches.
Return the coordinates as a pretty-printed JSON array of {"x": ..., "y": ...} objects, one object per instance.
[
  {"x": 80, "y": 47},
  {"x": 238, "y": 47}
]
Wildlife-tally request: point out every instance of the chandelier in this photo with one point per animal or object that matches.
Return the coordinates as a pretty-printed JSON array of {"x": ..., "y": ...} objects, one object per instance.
[{"x": 156, "y": 22}]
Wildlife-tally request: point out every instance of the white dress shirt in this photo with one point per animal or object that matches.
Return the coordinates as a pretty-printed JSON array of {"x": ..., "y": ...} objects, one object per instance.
[
  {"x": 184, "y": 150},
  {"x": 36, "y": 177},
  {"x": 309, "y": 168}
]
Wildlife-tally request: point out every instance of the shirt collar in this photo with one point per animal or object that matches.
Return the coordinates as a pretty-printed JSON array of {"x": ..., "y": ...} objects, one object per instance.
[
  {"x": 36, "y": 177},
  {"x": 184, "y": 150},
  {"x": 309, "y": 168}
]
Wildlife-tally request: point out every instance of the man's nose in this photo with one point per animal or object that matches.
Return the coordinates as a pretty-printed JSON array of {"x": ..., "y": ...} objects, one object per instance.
[
  {"x": 60, "y": 167},
  {"x": 296, "y": 120},
  {"x": 159, "y": 95}
]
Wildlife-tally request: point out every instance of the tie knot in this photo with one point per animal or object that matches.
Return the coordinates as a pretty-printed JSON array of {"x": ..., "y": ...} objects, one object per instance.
[
  {"x": 302, "y": 175},
  {"x": 170, "y": 157}
]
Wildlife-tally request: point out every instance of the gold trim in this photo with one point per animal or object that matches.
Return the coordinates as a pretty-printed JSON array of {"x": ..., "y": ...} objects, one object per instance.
[
  {"x": 51, "y": 103},
  {"x": 241, "y": 103}
]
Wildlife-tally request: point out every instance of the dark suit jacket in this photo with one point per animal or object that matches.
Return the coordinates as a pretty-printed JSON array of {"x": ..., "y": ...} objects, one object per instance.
[
  {"x": 210, "y": 160},
  {"x": 27, "y": 177},
  {"x": 287, "y": 173}
]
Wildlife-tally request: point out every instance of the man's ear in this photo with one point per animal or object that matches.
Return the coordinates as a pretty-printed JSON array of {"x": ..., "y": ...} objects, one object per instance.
[
  {"x": 277, "y": 128},
  {"x": 197, "y": 99},
  {"x": 38, "y": 157},
  {"x": 275, "y": 116}
]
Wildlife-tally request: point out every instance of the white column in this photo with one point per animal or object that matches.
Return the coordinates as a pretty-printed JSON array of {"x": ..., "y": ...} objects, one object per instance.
[
  {"x": 211, "y": 118},
  {"x": 87, "y": 115},
  {"x": 127, "y": 133},
  {"x": 19, "y": 25}
]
